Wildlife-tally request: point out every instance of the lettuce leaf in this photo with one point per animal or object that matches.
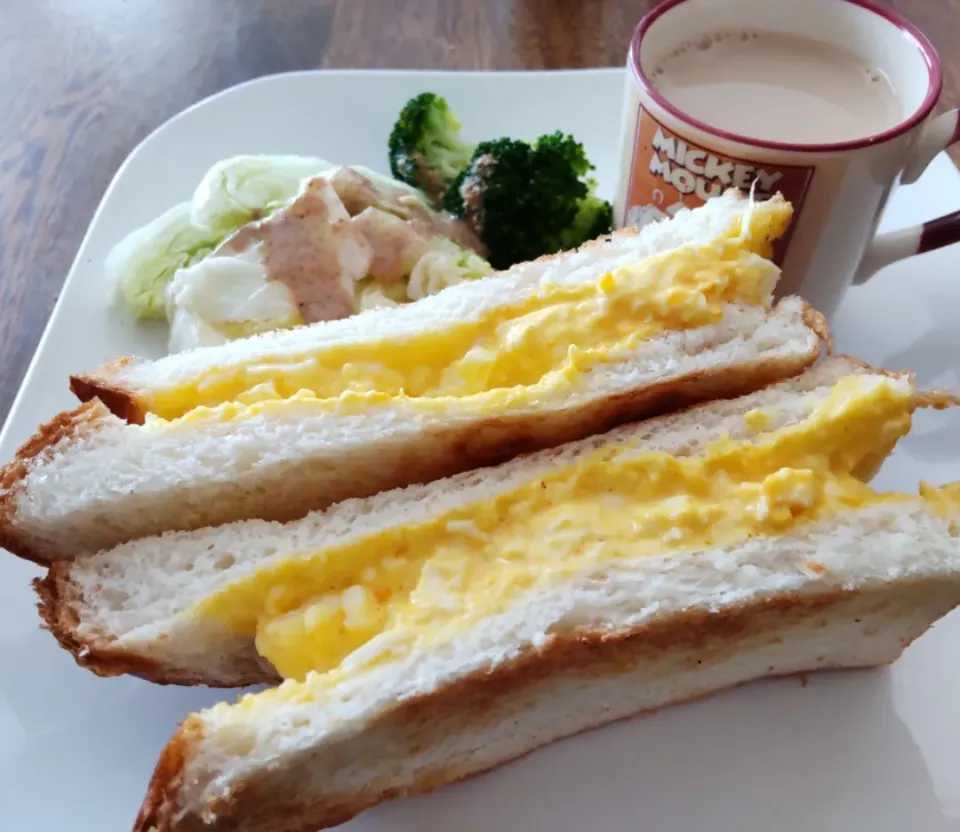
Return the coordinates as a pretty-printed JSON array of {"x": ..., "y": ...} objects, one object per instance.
[
  {"x": 140, "y": 266},
  {"x": 231, "y": 193},
  {"x": 242, "y": 188}
]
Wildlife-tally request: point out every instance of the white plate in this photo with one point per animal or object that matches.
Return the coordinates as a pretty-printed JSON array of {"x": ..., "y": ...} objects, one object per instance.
[{"x": 876, "y": 750}]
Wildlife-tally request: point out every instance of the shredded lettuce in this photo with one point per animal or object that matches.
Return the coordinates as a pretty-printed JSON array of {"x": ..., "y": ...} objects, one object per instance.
[
  {"x": 446, "y": 264},
  {"x": 371, "y": 294}
]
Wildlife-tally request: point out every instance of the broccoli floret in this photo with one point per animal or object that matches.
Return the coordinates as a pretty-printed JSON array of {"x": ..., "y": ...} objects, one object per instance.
[
  {"x": 525, "y": 200},
  {"x": 425, "y": 146},
  {"x": 594, "y": 218}
]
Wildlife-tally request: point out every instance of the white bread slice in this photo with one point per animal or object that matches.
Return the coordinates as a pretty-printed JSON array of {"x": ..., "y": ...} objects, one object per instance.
[
  {"x": 125, "y": 610},
  {"x": 89, "y": 480},
  {"x": 849, "y": 591}
]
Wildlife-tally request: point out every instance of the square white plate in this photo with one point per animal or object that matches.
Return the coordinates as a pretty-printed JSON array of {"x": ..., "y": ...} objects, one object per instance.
[{"x": 877, "y": 750}]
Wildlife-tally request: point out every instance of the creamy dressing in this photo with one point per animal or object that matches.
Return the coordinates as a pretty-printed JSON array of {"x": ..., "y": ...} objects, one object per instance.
[
  {"x": 336, "y": 232},
  {"x": 313, "y": 249}
]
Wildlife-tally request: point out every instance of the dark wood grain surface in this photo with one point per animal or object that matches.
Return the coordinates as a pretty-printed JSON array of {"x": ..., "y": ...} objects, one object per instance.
[{"x": 84, "y": 80}]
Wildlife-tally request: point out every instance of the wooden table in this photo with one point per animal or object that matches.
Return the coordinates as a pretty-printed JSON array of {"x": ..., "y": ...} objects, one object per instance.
[{"x": 85, "y": 80}]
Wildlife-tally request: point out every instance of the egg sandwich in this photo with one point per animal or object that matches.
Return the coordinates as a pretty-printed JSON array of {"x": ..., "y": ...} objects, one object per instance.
[
  {"x": 431, "y": 633},
  {"x": 284, "y": 423}
]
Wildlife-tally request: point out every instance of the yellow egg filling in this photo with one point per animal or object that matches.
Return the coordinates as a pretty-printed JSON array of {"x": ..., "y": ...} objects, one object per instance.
[{"x": 423, "y": 581}]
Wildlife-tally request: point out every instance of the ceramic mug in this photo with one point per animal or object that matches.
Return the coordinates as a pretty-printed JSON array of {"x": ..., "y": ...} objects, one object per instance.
[{"x": 838, "y": 190}]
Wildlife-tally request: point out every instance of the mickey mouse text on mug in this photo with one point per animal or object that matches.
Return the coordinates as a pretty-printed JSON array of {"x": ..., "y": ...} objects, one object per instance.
[{"x": 693, "y": 170}]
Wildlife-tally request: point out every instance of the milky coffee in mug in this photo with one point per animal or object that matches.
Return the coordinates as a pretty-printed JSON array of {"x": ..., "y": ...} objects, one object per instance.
[
  {"x": 782, "y": 87},
  {"x": 828, "y": 102}
]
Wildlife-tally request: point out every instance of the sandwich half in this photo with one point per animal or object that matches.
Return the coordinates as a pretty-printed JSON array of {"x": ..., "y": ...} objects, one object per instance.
[
  {"x": 433, "y": 633},
  {"x": 275, "y": 426},
  {"x": 255, "y": 601}
]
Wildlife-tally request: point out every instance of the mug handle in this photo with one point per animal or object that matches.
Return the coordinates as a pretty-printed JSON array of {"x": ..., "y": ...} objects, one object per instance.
[{"x": 887, "y": 248}]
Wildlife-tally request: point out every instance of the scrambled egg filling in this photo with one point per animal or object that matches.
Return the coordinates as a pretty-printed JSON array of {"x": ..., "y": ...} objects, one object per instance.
[
  {"x": 553, "y": 336},
  {"x": 422, "y": 581}
]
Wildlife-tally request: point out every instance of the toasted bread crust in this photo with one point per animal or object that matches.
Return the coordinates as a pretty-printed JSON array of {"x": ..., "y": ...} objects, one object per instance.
[
  {"x": 159, "y": 808},
  {"x": 100, "y": 385},
  {"x": 815, "y": 321},
  {"x": 59, "y": 600},
  {"x": 696, "y": 638},
  {"x": 65, "y": 426}
]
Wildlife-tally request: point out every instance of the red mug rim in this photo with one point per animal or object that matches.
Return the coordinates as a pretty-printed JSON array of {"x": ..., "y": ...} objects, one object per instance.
[{"x": 920, "y": 40}]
